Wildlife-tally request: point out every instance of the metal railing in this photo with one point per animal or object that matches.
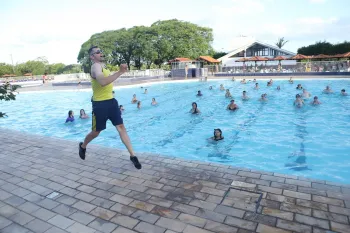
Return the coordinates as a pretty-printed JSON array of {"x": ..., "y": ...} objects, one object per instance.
[{"x": 298, "y": 67}]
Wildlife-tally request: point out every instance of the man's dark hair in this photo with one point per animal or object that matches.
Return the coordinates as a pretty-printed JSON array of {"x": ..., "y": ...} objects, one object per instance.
[{"x": 91, "y": 48}]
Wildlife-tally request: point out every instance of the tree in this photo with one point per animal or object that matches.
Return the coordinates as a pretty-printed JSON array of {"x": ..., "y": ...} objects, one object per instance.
[
  {"x": 56, "y": 68},
  {"x": 157, "y": 44},
  {"x": 5, "y": 69},
  {"x": 217, "y": 55},
  {"x": 7, "y": 93},
  {"x": 281, "y": 42},
  {"x": 325, "y": 48}
]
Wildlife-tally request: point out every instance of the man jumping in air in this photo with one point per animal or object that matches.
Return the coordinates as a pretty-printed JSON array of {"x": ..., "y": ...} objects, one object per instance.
[{"x": 104, "y": 105}]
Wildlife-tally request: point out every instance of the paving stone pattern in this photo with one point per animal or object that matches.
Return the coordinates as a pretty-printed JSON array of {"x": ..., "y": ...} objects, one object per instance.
[{"x": 46, "y": 188}]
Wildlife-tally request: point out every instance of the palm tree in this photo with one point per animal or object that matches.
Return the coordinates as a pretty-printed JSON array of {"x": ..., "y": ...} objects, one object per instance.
[{"x": 281, "y": 42}]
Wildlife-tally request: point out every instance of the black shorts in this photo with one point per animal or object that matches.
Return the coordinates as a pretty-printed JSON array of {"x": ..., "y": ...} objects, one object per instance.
[{"x": 103, "y": 111}]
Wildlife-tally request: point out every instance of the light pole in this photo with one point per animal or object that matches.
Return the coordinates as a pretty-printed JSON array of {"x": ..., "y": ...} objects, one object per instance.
[{"x": 13, "y": 68}]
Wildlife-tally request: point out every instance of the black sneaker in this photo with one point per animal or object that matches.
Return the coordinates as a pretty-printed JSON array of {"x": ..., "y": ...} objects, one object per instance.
[
  {"x": 82, "y": 151},
  {"x": 136, "y": 162}
]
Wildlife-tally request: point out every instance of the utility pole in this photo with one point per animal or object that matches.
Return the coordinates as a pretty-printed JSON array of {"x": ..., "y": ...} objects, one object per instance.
[{"x": 13, "y": 68}]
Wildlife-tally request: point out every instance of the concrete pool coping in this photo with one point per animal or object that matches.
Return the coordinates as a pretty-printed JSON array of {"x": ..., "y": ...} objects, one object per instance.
[
  {"x": 46, "y": 187},
  {"x": 50, "y": 87}
]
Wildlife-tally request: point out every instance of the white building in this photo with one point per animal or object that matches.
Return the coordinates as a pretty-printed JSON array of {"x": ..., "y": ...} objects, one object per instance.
[{"x": 249, "y": 47}]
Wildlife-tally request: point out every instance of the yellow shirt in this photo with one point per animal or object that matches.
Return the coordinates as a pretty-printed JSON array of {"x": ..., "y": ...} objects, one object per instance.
[{"x": 101, "y": 93}]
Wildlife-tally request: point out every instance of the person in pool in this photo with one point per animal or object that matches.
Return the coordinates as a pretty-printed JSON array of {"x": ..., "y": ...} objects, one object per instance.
[
  {"x": 146, "y": 91},
  {"x": 154, "y": 102},
  {"x": 299, "y": 102},
  {"x": 199, "y": 93},
  {"x": 328, "y": 90},
  {"x": 217, "y": 135},
  {"x": 83, "y": 115},
  {"x": 306, "y": 94},
  {"x": 134, "y": 99},
  {"x": 211, "y": 88},
  {"x": 291, "y": 80},
  {"x": 299, "y": 87},
  {"x": 121, "y": 108},
  {"x": 195, "y": 109},
  {"x": 254, "y": 81},
  {"x": 343, "y": 92},
  {"x": 139, "y": 104},
  {"x": 228, "y": 93},
  {"x": 70, "y": 117},
  {"x": 233, "y": 79},
  {"x": 222, "y": 88},
  {"x": 315, "y": 101},
  {"x": 244, "y": 96},
  {"x": 113, "y": 93},
  {"x": 243, "y": 81},
  {"x": 278, "y": 88},
  {"x": 232, "y": 106},
  {"x": 263, "y": 98},
  {"x": 271, "y": 81},
  {"x": 256, "y": 86}
]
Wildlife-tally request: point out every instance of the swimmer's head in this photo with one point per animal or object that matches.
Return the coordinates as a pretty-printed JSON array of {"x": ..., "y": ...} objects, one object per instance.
[
  {"x": 134, "y": 95},
  {"x": 304, "y": 90},
  {"x": 221, "y": 85},
  {"x": 138, "y": 103},
  {"x": 217, "y": 133},
  {"x": 199, "y": 92},
  {"x": 82, "y": 112},
  {"x": 153, "y": 99},
  {"x": 315, "y": 98},
  {"x": 327, "y": 87},
  {"x": 297, "y": 96},
  {"x": 244, "y": 92},
  {"x": 113, "y": 92},
  {"x": 227, "y": 90},
  {"x": 194, "y": 105},
  {"x": 211, "y": 87},
  {"x": 256, "y": 84},
  {"x": 70, "y": 113},
  {"x": 120, "y": 106},
  {"x": 343, "y": 90},
  {"x": 232, "y": 101}
]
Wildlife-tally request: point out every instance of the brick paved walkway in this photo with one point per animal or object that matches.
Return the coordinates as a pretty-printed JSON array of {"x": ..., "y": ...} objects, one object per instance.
[{"x": 45, "y": 187}]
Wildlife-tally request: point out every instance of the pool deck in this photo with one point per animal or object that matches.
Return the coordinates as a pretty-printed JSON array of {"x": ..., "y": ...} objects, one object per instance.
[{"x": 45, "y": 187}]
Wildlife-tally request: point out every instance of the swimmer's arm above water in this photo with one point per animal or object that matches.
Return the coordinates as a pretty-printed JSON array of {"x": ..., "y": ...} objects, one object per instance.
[{"x": 96, "y": 73}]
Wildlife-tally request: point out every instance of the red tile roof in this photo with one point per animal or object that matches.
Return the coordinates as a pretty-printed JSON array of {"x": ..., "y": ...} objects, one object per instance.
[{"x": 209, "y": 59}]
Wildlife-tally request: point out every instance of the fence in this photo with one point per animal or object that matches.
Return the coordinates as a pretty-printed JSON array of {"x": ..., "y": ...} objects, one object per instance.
[{"x": 297, "y": 67}]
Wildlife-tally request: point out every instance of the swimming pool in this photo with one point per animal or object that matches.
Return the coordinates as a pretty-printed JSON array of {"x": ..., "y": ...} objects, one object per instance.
[{"x": 313, "y": 141}]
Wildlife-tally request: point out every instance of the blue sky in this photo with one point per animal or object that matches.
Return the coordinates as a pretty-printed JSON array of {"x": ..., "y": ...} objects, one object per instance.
[{"x": 56, "y": 29}]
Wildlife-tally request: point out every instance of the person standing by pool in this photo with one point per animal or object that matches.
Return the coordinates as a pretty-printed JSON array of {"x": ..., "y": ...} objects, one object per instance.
[{"x": 104, "y": 105}]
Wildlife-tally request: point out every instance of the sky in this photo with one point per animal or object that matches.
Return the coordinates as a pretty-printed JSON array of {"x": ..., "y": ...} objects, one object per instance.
[{"x": 57, "y": 29}]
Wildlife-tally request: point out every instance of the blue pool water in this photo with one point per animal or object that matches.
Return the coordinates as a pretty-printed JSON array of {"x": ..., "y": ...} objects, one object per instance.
[{"x": 275, "y": 136}]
